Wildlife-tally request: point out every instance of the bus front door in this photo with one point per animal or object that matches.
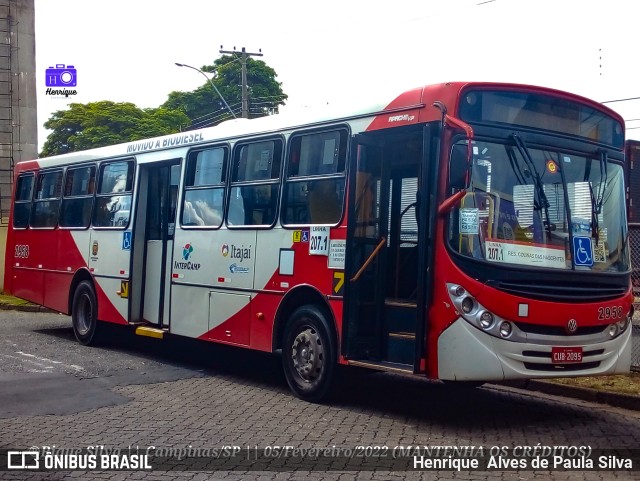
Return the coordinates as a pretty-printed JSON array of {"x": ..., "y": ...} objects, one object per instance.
[
  {"x": 155, "y": 227},
  {"x": 383, "y": 322}
]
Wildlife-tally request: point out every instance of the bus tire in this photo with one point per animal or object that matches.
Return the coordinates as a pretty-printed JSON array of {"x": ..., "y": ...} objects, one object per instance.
[
  {"x": 309, "y": 354},
  {"x": 84, "y": 314}
]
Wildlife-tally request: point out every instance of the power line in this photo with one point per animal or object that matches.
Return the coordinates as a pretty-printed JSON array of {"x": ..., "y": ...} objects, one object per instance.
[{"x": 619, "y": 100}]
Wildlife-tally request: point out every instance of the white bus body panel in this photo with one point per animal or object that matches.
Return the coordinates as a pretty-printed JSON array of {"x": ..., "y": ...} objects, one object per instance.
[{"x": 467, "y": 354}]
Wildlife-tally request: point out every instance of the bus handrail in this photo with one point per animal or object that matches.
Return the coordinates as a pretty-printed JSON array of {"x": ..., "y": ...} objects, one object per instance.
[{"x": 369, "y": 259}]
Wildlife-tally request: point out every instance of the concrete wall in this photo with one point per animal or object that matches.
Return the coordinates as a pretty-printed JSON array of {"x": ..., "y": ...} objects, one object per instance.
[
  {"x": 18, "y": 117},
  {"x": 24, "y": 75}
]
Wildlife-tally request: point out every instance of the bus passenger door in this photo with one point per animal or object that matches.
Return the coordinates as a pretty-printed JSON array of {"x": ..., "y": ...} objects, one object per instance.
[
  {"x": 387, "y": 249},
  {"x": 368, "y": 204},
  {"x": 156, "y": 225}
]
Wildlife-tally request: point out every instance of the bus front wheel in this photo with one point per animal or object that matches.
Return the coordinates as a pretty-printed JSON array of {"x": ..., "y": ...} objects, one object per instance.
[
  {"x": 309, "y": 354},
  {"x": 84, "y": 314}
]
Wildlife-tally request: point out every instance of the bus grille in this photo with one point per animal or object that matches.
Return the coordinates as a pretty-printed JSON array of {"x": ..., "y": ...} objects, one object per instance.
[
  {"x": 559, "y": 330},
  {"x": 561, "y": 367},
  {"x": 559, "y": 292}
]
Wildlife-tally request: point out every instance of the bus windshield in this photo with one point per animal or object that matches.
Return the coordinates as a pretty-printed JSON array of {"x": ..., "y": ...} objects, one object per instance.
[{"x": 541, "y": 208}]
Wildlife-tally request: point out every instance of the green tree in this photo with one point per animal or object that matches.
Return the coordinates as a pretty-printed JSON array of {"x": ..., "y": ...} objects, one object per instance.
[
  {"x": 204, "y": 107},
  {"x": 96, "y": 124}
]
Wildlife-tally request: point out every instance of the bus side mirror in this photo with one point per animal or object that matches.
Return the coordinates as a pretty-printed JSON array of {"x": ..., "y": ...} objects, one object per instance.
[{"x": 458, "y": 168}]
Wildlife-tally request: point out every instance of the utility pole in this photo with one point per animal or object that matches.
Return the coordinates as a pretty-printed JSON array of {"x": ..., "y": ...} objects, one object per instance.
[{"x": 245, "y": 90}]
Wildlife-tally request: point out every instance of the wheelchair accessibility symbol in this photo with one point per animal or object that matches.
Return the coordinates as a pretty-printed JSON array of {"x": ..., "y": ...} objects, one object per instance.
[
  {"x": 582, "y": 251},
  {"x": 126, "y": 240}
]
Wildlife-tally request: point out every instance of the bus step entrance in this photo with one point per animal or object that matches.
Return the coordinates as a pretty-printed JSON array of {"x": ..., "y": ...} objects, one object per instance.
[
  {"x": 401, "y": 347},
  {"x": 400, "y": 318},
  {"x": 150, "y": 332},
  {"x": 384, "y": 366}
]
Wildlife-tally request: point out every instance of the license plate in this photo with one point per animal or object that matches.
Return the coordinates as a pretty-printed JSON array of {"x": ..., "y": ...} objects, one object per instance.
[{"x": 566, "y": 355}]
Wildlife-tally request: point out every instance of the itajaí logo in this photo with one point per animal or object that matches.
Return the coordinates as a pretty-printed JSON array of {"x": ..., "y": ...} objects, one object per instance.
[{"x": 187, "y": 251}]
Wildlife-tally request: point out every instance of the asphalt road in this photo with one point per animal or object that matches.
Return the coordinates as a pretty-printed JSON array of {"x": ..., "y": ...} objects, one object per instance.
[{"x": 138, "y": 392}]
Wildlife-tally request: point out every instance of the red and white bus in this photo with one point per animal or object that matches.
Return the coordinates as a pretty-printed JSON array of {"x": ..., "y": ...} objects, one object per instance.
[{"x": 463, "y": 231}]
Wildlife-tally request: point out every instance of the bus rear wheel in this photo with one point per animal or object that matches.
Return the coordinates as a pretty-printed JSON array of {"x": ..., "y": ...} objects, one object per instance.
[
  {"x": 309, "y": 354},
  {"x": 84, "y": 314}
]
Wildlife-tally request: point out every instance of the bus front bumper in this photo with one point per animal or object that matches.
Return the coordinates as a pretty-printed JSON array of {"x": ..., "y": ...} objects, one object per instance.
[{"x": 466, "y": 353}]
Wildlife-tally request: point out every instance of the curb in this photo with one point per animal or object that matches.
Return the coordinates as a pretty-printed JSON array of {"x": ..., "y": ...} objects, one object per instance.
[
  {"x": 620, "y": 400},
  {"x": 25, "y": 308}
]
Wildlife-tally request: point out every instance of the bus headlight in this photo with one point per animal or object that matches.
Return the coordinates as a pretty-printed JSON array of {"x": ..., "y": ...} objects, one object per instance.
[
  {"x": 480, "y": 317},
  {"x": 467, "y": 304},
  {"x": 505, "y": 328},
  {"x": 486, "y": 320},
  {"x": 613, "y": 329},
  {"x": 457, "y": 291},
  {"x": 622, "y": 324}
]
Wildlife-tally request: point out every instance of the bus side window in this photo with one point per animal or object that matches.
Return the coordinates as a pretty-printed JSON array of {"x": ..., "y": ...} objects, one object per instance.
[
  {"x": 22, "y": 204},
  {"x": 114, "y": 210},
  {"x": 255, "y": 184},
  {"x": 47, "y": 199},
  {"x": 204, "y": 188},
  {"x": 77, "y": 198},
  {"x": 314, "y": 184}
]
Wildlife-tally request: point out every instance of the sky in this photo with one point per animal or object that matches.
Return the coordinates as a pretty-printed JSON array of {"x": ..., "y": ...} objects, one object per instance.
[{"x": 332, "y": 52}]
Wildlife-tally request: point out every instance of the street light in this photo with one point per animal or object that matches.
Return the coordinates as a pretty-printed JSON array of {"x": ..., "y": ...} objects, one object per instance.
[{"x": 212, "y": 84}]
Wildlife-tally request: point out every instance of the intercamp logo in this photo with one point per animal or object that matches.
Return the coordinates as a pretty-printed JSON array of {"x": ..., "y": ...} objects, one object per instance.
[{"x": 23, "y": 460}]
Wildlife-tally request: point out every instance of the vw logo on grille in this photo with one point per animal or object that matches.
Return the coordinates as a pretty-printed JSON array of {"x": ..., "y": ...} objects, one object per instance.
[{"x": 572, "y": 326}]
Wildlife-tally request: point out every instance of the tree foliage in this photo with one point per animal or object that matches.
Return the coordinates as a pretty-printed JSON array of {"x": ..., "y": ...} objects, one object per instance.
[
  {"x": 96, "y": 124},
  {"x": 204, "y": 107}
]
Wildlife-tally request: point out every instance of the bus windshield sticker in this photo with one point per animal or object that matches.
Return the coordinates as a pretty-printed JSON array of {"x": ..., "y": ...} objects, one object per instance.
[
  {"x": 599, "y": 251},
  {"x": 581, "y": 226},
  {"x": 525, "y": 254},
  {"x": 469, "y": 219},
  {"x": 319, "y": 242},
  {"x": 337, "y": 249},
  {"x": 583, "y": 251}
]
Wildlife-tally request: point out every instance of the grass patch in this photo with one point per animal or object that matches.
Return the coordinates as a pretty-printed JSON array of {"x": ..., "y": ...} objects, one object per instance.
[
  {"x": 13, "y": 301},
  {"x": 621, "y": 383}
]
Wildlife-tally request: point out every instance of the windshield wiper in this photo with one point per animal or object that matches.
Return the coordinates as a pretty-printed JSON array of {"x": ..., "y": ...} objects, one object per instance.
[
  {"x": 596, "y": 204},
  {"x": 542, "y": 202}
]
